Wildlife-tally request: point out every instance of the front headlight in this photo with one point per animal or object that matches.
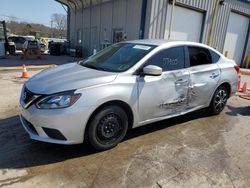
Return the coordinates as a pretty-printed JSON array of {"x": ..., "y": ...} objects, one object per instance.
[{"x": 60, "y": 100}]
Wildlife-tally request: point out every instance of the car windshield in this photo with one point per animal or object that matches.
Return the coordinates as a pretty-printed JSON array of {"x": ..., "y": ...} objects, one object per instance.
[{"x": 118, "y": 57}]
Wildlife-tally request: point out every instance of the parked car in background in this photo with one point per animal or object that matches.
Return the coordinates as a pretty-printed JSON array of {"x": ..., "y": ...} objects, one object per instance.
[
  {"x": 11, "y": 48},
  {"x": 42, "y": 47},
  {"x": 30, "y": 37},
  {"x": 18, "y": 40},
  {"x": 124, "y": 86},
  {"x": 31, "y": 44}
]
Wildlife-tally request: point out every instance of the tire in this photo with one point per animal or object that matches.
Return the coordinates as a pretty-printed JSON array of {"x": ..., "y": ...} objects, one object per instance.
[
  {"x": 108, "y": 127},
  {"x": 219, "y": 100}
]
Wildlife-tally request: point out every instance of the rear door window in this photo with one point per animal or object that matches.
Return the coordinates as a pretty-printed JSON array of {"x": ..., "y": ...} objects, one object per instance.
[
  {"x": 199, "y": 56},
  {"x": 169, "y": 59}
]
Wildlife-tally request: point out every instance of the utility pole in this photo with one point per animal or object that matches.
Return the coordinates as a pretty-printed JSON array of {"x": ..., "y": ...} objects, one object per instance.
[
  {"x": 216, "y": 6},
  {"x": 51, "y": 27},
  {"x": 171, "y": 20}
]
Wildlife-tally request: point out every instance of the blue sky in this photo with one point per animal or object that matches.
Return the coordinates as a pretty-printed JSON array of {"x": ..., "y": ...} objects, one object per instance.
[{"x": 35, "y": 11}]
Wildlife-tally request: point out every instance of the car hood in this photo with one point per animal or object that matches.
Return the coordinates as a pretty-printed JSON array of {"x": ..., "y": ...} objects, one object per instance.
[{"x": 67, "y": 77}]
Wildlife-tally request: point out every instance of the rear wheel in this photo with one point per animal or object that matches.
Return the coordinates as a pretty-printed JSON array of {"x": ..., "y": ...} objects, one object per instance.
[
  {"x": 219, "y": 100},
  {"x": 108, "y": 127}
]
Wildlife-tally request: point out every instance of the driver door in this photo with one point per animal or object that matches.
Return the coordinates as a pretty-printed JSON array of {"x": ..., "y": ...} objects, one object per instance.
[{"x": 166, "y": 94}]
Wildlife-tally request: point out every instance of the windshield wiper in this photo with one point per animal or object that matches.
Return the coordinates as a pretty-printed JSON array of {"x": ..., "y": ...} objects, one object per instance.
[
  {"x": 89, "y": 66},
  {"x": 94, "y": 67}
]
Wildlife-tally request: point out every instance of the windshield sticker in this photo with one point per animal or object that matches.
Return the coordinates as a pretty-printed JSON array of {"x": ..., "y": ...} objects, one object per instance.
[{"x": 142, "y": 47}]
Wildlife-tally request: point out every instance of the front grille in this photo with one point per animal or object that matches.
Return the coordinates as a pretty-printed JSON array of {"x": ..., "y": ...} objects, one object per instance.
[
  {"x": 27, "y": 95},
  {"x": 53, "y": 133},
  {"x": 29, "y": 98}
]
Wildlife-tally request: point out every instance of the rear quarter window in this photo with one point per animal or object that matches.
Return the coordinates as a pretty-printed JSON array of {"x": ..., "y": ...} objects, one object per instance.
[
  {"x": 199, "y": 56},
  {"x": 215, "y": 56}
]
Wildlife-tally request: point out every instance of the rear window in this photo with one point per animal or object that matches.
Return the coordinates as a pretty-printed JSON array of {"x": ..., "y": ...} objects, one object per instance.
[{"x": 199, "y": 56}]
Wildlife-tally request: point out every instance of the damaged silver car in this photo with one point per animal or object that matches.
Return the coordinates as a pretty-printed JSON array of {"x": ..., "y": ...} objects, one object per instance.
[{"x": 124, "y": 86}]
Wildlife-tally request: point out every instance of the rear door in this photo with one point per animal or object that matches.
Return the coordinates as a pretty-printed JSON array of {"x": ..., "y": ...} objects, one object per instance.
[{"x": 204, "y": 75}]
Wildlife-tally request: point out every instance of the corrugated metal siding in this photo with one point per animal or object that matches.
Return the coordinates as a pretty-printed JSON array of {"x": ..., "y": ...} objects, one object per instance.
[
  {"x": 98, "y": 21},
  {"x": 205, "y": 6},
  {"x": 86, "y": 25},
  {"x": 72, "y": 26},
  {"x": 156, "y": 13},
  {"x": 133, "y": 18},
  {"x": 247, "y": 49},
  {"x": 156, "y": 18},
  {"x": 126, "y": 14},
  {"x": 219, "y": 34},
  {"x": 106, "y": 21},
  {"x": 120, "y": 14},
  {"x": 78, "y": 21}
]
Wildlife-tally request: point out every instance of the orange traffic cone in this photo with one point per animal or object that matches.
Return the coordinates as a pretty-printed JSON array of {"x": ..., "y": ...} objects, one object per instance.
[
  {"x": 24, "y": 73},
  {"x": 244, "y": 88}
]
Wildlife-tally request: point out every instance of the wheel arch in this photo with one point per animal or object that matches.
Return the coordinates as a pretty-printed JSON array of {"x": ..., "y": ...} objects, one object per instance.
[
  {"x": 227, "y": 86},
  {"x": 122, "y": 104},
  {"x": 224, "y": 84}
]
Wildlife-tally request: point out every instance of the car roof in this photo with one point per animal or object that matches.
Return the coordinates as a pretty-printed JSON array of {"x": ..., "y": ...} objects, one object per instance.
[
  {"x": 161, "y": 42},
  {"x": 155, "y": 42}
]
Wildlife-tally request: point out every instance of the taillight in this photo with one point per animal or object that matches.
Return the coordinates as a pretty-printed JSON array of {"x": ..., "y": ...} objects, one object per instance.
[{"x": 237, "y": 68}]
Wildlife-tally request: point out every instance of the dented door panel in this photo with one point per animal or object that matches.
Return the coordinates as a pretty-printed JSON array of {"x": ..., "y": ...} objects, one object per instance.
[
  {"x": 163, "y": 95},
  {"x": 203, "y": 81}
]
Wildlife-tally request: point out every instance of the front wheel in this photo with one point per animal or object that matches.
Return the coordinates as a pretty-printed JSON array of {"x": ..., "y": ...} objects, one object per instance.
[
  {"x": 108, "y": 127},
  {"x": 219, "y": 100}
]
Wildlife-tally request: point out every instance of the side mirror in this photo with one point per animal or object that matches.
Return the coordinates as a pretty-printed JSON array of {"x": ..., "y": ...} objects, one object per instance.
[{"x": 152, "y": 70}]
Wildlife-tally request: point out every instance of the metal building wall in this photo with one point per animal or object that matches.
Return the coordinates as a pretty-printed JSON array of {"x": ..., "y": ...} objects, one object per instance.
[
  {"x": 72, "y": 25},
  {"x": 106, "y": 21},
  {"x": 156, "y": 17},
  {"x": 220, "y": 29},
  {"x": 96, "y": 18},
  {"x": 98, "y": 21},
  {"x": 157, "y": 14},
  {"x": 248, "y": 47},
  {"x": 205, "y": 6}
]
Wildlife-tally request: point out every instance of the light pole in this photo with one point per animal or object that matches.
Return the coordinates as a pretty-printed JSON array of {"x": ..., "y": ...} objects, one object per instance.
[
  {"x": 171, "y": 20},
  {"x": 51, "y": 27}
]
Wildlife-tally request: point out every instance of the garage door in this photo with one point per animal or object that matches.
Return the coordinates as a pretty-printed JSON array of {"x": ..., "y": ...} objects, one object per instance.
[
  {"x": 236, "y": 36},
  {"x": 186, "y": 24}
]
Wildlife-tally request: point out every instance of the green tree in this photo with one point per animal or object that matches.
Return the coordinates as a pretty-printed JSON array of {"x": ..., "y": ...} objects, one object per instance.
[{"x": 27, "y": 29}]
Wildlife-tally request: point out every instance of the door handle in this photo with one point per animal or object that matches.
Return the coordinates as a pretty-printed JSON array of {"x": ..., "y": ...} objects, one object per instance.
[
  {"x": 214, "y": 75},
  {"x": 181, "y": 81}
]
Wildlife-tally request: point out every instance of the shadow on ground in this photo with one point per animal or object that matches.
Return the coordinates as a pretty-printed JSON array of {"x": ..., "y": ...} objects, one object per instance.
[
  {"x": 18, "y": 151},
  {"x": 235, "y": 111}
]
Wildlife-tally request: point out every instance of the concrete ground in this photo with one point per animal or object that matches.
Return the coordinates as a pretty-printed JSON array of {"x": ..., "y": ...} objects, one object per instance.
[{"x": 194, "y": 150}]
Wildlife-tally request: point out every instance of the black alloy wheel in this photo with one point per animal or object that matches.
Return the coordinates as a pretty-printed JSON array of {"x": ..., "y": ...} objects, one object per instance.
[
  {"x": 219, "y": 100},
  {"x": 108, "y": 127}
]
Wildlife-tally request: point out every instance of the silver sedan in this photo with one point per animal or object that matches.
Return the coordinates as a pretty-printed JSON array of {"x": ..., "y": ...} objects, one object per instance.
[{"x": 124, "y": 86}]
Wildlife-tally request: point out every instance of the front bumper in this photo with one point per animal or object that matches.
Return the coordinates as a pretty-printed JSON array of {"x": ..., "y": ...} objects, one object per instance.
[{"x": 60, "y": 126}]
